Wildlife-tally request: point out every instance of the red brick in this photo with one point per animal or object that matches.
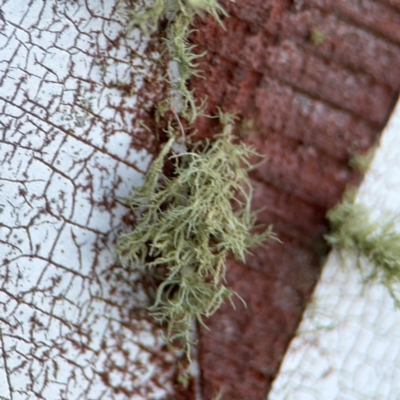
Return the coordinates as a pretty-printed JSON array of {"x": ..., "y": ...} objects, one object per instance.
[{"x": 308, "y": 108}]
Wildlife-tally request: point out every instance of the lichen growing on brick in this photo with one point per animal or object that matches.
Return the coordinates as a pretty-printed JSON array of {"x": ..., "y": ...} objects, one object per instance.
[
  {"x": 190, "y": 220},
  {"x": 189, "y": 223}
]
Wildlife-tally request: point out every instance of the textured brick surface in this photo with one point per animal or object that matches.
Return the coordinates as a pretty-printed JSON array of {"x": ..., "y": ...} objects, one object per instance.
[
  {"x": 308, "y": 106},
  {"x": 348, "y": 343}
]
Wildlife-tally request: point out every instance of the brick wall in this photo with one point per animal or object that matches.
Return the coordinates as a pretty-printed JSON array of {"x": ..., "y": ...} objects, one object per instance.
[{"x": 313, "y": 82}]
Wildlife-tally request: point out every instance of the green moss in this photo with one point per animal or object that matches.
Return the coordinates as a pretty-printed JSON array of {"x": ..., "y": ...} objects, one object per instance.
[
  {"x": 377, "y": 241},
  {"x": 189, "y": 224}
]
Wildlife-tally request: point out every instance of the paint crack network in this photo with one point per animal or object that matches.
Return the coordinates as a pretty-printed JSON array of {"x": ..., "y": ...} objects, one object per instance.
[{"x": 71, "y": 98}]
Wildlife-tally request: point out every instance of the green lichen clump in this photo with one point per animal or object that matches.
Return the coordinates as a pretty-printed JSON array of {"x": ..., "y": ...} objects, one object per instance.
[
  {"x": 362, "y": 162},
  {"x": 189, "y": 224},
  {"x": 149, "y": 19},
  {"x": 318, "y": 37},
  {"x": 178, "y": 15},
  {"x": 376, "y": 241},
  {"x": 190, "y": 220}
]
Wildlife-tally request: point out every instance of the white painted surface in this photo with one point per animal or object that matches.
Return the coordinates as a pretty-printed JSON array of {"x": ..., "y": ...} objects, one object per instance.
[
  {"x": 348, "y": 344},
  {"x": 66, "y": 325}
]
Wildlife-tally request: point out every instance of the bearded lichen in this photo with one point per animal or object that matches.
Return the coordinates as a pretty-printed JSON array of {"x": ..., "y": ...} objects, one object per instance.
[
  {"x": 192, "y": 218},
  {"x": 375, "y": 241},
  {"x": 149, "y": 19},
  {"x": 189, "y": 224},
  {"x": 362, "y": 162},
  {"x": 178, "y": 16},
  {"x": 318, "y": 37}
]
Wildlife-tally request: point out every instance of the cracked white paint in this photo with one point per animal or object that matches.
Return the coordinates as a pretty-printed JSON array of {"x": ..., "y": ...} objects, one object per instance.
[
  {"x": 348, "y": 344},
  {"x": 67, "y": 152}
]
